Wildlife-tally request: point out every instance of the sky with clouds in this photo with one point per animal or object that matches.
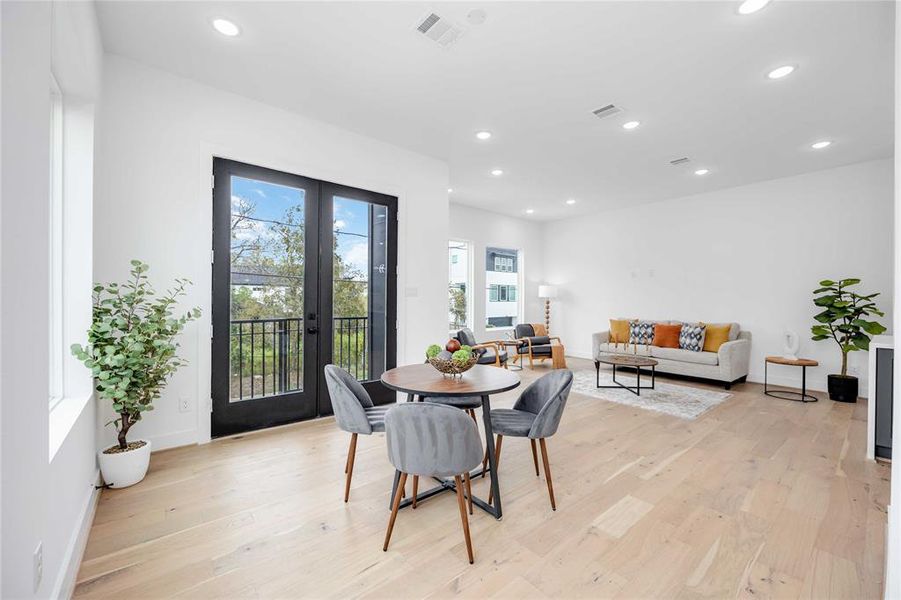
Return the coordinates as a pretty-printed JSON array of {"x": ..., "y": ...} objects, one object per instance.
[{"x": 270, "y": 201}]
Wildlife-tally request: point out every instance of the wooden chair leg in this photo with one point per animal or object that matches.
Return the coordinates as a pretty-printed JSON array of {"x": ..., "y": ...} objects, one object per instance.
[
  {"x": 547, "y": 473},
  {"x": 497, "y": 462},
  {"x": 394, "y": 507},
  {"x": 350, "y": 466},
  {"x": 535, "y": 458},
  {"x": 531, "y": 360},
  {"x": 468, "y": 483},
  {"x": 415, "y": 488},
  {"x": 463, "y": 517}
]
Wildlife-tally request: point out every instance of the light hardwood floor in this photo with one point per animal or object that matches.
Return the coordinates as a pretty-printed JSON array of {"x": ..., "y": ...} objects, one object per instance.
[{"x": 758, "y": 498}]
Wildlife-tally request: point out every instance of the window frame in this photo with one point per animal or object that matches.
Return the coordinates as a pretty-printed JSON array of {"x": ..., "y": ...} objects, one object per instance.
[
  {"x": 468, "y": 263},
  {"x": 56, "y": 289},
  {"x": 510, "y": 294}
]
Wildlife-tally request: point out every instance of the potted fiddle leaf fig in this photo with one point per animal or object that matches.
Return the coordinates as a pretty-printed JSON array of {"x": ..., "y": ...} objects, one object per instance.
[
  {"x": 131, "y": 352},
  {"x": 846, "y": 318}
]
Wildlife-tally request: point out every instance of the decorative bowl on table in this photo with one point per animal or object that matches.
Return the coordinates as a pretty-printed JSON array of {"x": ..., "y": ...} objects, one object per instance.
[
  {"x": 454, "y": 359},
  {"x": 453, "y": 366}
]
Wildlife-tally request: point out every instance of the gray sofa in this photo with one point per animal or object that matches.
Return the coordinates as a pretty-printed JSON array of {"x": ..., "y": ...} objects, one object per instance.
[{"x": 729, "y": 365}]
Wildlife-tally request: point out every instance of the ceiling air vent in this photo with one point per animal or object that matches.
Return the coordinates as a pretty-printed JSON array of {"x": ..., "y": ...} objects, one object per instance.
[
  {"x": 606, "y": 111},
  {"x": 679, "y": 161},
  {"x": 440, "y": 30}
]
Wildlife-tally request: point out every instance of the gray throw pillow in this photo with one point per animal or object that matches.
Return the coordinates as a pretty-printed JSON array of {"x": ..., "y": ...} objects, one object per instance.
[
  {"x": 692, "y": 336},
  {"x": 641, "y": 332}
]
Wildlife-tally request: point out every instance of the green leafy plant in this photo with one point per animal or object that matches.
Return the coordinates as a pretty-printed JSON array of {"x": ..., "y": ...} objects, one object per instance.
[
  {"x": 844, "y": 317},
  {"x": 131, "y": 347}
]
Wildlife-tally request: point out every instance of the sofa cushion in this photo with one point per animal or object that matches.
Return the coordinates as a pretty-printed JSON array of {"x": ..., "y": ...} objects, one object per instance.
[
  {"x": 641, "y": 332},
  {"x": 692, "y": 337},
  {"x": 667, "y": 335},
  {"x": 619, "y": 330},
  {"x": 715, "y": 336},
  {"x": 677, "y": 354},
  {"x": 734, "y": 329}
]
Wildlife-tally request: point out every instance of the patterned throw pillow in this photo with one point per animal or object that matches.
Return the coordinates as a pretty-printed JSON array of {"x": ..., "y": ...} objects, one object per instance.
[
  {"x": 692, "y": 336},
  {"x": 641, "y": 332}
]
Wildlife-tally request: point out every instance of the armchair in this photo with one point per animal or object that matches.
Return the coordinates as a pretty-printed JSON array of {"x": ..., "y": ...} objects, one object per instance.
[
  {"x": 536, "y": 347},
  {"x": 490, "y": 353}
]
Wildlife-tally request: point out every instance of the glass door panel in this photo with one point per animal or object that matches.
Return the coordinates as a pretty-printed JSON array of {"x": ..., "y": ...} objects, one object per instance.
[
  {"x": 363, "y": 284},
  {"x": 264, "y": 297}
]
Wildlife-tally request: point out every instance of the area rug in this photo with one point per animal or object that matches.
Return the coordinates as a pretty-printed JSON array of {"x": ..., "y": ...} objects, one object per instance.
[{"x": 677, "y": 400}]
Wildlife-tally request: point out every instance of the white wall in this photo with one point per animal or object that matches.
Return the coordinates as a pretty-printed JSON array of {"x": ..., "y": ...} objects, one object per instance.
[
  {"x": 750, "y": 254},
  {"x": 158, "y": 135},
  {"x": 486, "y": 229},
  {"x": 893, "y": 534},
  {"x": 47, "y": 497}
]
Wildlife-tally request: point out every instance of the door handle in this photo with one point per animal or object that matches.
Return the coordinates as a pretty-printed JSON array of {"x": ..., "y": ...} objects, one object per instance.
[{"x": 312, "y": 330}]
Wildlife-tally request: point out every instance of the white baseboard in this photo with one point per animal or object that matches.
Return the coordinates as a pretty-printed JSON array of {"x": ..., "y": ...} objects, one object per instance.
[
  {"x": 65, "y": 581},
  {"x": 187, "y": 437}
]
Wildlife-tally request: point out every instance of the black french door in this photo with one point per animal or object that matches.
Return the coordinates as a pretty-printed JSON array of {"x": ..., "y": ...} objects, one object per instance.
[{"x": 304, "y": 274}]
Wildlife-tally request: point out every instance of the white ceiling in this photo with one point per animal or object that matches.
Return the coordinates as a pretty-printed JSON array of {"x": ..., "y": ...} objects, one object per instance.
[{"x": 693, "y": 73}]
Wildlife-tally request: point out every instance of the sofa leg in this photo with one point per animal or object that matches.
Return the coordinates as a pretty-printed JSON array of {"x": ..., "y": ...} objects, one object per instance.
[{"x": 728, "y": 385}]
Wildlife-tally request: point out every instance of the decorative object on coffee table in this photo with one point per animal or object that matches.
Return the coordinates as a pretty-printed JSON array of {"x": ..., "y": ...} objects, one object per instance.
[
  {"x": 843, "y": 320},
  {"x": 624, "y": 360},
  {"x": 548, "y": 293},
  {"x": 801, "y": 396}
]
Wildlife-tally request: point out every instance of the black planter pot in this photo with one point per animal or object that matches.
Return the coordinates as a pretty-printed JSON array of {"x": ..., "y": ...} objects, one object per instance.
[{"x": 842, "y": 388}]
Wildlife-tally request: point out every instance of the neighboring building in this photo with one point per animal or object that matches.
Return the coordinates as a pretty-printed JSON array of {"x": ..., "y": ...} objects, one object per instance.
[{"x": 501, "y": 282}]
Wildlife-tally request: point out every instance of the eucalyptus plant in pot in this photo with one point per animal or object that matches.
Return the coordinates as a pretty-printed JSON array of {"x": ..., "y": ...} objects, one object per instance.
[
  {"x": 846, "y": 318},
  {"x": 131, "y": 352}
]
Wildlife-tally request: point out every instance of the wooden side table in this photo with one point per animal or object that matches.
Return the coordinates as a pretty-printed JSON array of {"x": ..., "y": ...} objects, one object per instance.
[{"x": 801, "y": 396}]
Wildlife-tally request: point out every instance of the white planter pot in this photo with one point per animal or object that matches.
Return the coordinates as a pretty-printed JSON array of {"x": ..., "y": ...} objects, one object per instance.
[{"x": 123, "y": 469}]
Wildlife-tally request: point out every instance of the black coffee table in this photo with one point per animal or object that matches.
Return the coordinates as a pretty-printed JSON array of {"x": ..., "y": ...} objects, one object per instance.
[{"x": 626, "y": 360}]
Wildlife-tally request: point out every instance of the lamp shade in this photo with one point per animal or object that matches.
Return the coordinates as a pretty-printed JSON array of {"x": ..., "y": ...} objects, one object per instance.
[{"x": 547, "y": 291}]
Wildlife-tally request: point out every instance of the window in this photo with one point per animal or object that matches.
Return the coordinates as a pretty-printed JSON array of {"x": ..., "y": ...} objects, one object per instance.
[
  {"x": 55, "y": 320},
  {"x": 459, "y": 285},
  {"x": 502, "y": 293},
  {"x": 502, "y": 279}
]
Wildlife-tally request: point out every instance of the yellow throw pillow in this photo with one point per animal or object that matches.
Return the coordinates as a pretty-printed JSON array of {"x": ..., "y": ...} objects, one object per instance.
[
  {"x": 619, "y": 331},
  {"x": 716, "y": 336}
]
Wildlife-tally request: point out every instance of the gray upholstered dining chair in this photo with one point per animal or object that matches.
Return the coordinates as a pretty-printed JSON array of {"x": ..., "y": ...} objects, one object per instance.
[
  {"x": 431, "y": 440},
  {"x": 354, "y": 413},
  {"x": 536, "y": 415}
]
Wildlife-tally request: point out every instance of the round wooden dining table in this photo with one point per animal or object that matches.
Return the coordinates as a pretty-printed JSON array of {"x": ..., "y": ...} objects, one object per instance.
[{"x": 423, "y": 380}]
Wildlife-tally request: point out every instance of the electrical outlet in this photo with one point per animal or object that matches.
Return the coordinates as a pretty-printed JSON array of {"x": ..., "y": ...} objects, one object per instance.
[
  {"x": 38, "y": 565},
  {"x": 184, "y": 404}
]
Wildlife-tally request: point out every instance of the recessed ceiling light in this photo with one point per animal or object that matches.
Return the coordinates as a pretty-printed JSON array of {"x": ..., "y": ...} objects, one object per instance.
[
  {"x": 570, "y": 201},
  {"x": 780, "y": 72},
  {"x": 483, "y": 135},
  {"x": 752, "y": 6},
  {"x": 821, "y": 145},
  {"x": 702, "y": 171},
  {"x": 631, "y": 124},
  {"x": 497, "y": 172},
  {"x": 226, "y": 27},
  {"x": 530, "y": 211},
  {"x": 450, "y": 190}
]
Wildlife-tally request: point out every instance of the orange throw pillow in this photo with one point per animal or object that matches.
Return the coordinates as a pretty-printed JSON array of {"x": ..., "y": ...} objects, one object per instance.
[
  {"x": 619, "y": 331},
  {"x": 667, "y": 336}
]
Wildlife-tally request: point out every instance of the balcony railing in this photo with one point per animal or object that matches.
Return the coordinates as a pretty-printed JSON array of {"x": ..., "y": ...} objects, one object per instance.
[{"x": 267, "y": 354}]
